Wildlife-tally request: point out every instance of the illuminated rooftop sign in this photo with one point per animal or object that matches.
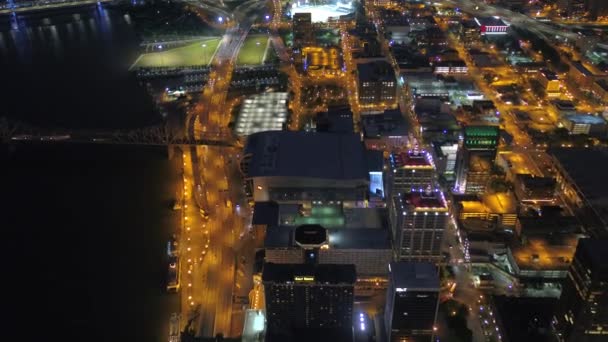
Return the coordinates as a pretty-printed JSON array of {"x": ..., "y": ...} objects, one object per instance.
[{"x": 304, "y": 278}]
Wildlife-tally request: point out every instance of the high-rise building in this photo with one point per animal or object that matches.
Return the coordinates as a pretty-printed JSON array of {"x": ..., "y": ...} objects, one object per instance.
[
  {"x": 596, "y": 8},
  {"x": 303, "y": 33},
  {"x": 582, "y": 310},
  {"x": 411, "y": 171},
  {"x": 477, "y": 158},
  {"x": 412, "y": 300},
  {"x": 418, "y": 220},
  {"x": 305, "y": 302}
]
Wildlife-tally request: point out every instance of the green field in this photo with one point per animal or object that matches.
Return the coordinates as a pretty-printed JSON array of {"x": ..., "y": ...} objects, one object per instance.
[
  {"x": 191, "y": 54},
  {"x": 252, "y": 51}
]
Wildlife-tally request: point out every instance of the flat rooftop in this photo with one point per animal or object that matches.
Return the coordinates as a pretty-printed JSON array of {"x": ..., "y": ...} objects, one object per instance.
[
  {"x": 541, "y": 254},
  {"x": 389, "y": 123},
  {"x": 307, "y": 155},
  {"x": 550, "y": 75},
  {"x": 414, "y": 276},
  {"x": 490, "y": 21},
  {"x": 320, "y": 273},
  {"x": 375, "y": 71},
  {"x": 586, "y": 119},
  {"x": 412, "y": 160},
  {"x": 525, "y": 319},
  {"x": 582, "y": 69},
  {"x": 422, "y": 200},
  {"x": 361, "y": 238}
]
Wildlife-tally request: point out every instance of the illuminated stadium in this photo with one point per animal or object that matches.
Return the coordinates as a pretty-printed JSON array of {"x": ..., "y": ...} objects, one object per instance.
[{"x": 322, "y": 11}]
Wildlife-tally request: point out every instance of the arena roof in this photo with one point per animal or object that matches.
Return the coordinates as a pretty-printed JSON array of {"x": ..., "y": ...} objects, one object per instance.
[{"x": 307, "y": 155}]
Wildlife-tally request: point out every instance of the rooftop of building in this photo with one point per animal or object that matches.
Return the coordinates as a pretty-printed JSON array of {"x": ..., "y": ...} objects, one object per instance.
[
  {"x": 596, "y": 251},
  {"x": 337, "y": 119},
  {"x": 451, "y": 63},
  {"x": 310, "y": 234},
  {"x": 586, "y": 119},
  {"x": 389, "y": 123},
  {"x": 308, "y": 273},
  {"x": 481, "y": 131},
  {"x": 423, "y": 199},
  {"x": 551, "y": 224},
  {"x": 603, "y": 83},
  {"x": 265, "y": 213},
  {"x": 531, "y": 181},
  {"x": 490, "y": 21},
  {"x": 496, "y": 203},
  {"x": 582, "y": 69},
  {"x": 375, "y": 71},
  {"x": 563, "y": 104},
  {"x": 343, "y": 238},
  {"x": 525, "y": 318},
  {"x": 307, "y": 155},
  {"x": 412, "y": 160},
  {"x": 550, "y": 75},
  {"x": 544, "y": 253},
  {"x": 587, "y": 168},
  {"x": 414, "y": 276}
]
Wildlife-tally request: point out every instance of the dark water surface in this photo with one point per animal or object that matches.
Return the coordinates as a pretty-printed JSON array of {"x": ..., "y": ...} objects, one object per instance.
[
  {"x": 84, "y": 233},
  {"x": 69, "y": 68},
  {"x": 84, "y": 226}
]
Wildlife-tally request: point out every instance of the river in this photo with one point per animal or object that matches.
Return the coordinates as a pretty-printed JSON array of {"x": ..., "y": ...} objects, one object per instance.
[
  {"x": 70, "y": 68},
  {"x": 84, "y": 226}
]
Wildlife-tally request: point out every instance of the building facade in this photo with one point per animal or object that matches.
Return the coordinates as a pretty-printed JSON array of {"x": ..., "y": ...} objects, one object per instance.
[
  {"x": 308, "y": 300},
  {"x": 418, "y": 220},
  {"x": 412, "y": 301},
  {"x": 582, "y": 312}
]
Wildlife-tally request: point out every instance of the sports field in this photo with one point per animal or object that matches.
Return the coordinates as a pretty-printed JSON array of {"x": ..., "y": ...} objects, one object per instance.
[
  {"x": 252, "y": 51},
  {"x": 191, "y": 54}
]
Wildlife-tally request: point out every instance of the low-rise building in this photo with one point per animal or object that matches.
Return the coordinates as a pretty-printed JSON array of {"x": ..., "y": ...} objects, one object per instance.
[
  {"x": 529, "y": 188},
  {"x": 584, "y": 124},
  {"x": 385, "y": 132},
  {"x": 377, "y": 85}
]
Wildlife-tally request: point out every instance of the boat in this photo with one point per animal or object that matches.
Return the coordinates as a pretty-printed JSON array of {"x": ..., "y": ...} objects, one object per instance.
[{"x": 173, "y": 275}]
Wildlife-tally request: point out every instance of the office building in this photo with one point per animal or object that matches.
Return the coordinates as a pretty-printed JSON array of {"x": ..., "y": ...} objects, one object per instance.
[
  {"x": 303, "y": 34},
  {"x": 581, "y": 180},
  {"x": 477, "y": 158},
  {"x": 307, "y": 302},
  {"x": 596, "y": 8},
  {"x": 582, "y": 312},
  {"x": 418, "y": 220},
  {"x": 411, "y": 171},
  {"x": 412, "y": 301},
  {"x": 377, "y": 84}
]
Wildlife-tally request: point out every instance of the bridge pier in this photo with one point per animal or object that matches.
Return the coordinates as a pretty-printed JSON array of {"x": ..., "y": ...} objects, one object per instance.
[{"x": 171, "y": 151}]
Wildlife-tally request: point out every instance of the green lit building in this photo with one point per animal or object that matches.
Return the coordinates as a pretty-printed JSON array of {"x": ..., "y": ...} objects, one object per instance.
[{"x": 476, "y": 158}]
